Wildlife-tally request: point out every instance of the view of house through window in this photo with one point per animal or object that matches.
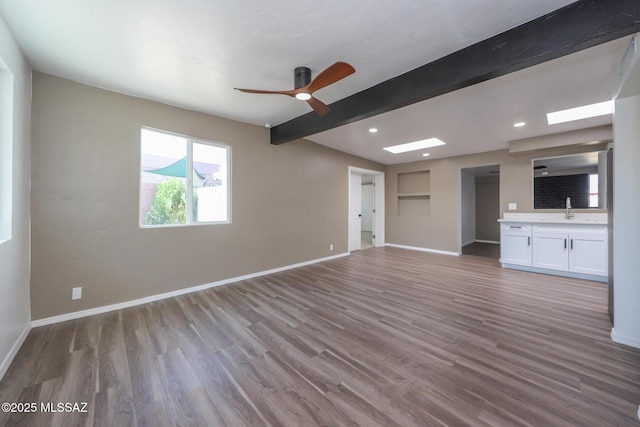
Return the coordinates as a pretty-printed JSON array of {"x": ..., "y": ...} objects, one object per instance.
[{"x": 182, "y": 181}]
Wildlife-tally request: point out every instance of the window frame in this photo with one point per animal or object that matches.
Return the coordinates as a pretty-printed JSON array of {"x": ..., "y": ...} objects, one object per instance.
[{"x": 189, "y": 180}]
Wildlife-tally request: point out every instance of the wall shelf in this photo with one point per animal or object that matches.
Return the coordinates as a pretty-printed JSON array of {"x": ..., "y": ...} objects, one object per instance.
[{"x": 414, "y": 196}]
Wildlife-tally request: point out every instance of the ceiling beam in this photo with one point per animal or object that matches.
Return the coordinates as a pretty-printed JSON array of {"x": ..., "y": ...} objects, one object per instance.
[{"x": 575, "y": 27}]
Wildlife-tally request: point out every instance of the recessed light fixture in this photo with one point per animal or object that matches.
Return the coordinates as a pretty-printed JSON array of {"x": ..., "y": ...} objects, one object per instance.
[
  {"x": 373, "y": 130},
  {"x": 425, "y": 154},
  {"x": 579, "y": 113},
  {"x": 519, "y": 124},
  {"x": 303, "y": 96},
  {"x": 416, "y": 145}
]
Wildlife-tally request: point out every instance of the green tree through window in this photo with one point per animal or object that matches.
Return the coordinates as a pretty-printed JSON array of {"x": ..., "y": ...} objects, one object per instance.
[
  {"x": 169, "y": 205},
  {"x": 183, "y": 181}
]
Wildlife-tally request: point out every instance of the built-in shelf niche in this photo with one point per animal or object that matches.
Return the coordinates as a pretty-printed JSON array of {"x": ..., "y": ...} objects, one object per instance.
[{"x": 414, "y": 196}]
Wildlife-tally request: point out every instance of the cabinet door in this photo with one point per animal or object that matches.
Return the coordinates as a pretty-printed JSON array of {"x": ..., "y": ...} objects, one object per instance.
[
  {"x": 515, "y": 248},
  {"x": 588, "y": 254},
  {"x": 551, "y": 251}
]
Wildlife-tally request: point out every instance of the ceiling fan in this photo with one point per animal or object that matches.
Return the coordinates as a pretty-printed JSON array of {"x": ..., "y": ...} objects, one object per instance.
[{"x": 304, "y": 86}]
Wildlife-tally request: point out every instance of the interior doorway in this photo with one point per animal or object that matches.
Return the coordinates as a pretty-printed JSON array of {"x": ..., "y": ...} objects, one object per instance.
[
  {"x": 367, "y": 203},
  {"x": 480, "y": 211},
  {"x": 366, "y": 208}
]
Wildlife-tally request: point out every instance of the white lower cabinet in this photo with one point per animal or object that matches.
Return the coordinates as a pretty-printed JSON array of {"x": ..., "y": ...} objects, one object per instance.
[
  {"x": 580, "y": 250},
  {"x": 588, "y": 254},
  {"x": 550, "y": 251},
  {"x": 574, "y": 250},
  {"x": 515, "y": 244}
]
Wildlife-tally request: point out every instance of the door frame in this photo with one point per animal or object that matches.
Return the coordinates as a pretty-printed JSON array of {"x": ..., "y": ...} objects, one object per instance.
[
  {"x": 379, "y": 204},
  {"x": 461, "y": 170},
  {"x": 355, "y": 208}
]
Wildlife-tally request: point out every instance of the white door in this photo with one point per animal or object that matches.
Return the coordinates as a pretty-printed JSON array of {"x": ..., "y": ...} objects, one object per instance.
[
  {"x": 355, "y": 214},
  {"x": 367, "y": 207}
]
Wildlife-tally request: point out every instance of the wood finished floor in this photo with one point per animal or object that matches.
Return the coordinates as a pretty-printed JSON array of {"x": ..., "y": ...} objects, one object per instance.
[
  {"x": 490, "y": 250},
  {"x": 384, "y": 337}
]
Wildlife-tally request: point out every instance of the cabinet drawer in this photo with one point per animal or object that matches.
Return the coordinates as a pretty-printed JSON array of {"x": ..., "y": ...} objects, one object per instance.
[{"x": 525, "y": 228}]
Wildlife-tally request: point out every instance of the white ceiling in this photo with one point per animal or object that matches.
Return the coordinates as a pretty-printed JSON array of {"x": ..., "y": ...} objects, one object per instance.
[
  {"x": 192, "y": 53},
  {"x": 480, "y": 118}
]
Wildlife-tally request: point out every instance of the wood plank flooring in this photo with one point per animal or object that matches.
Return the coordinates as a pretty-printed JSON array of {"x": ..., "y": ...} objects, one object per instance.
[
  {"x": 384, "y": 337},
  {"x": 490, "y": 250}
]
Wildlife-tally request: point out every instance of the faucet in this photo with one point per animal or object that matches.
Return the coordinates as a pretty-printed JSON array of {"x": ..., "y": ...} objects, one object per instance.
[{"x": 568, "y": 204}]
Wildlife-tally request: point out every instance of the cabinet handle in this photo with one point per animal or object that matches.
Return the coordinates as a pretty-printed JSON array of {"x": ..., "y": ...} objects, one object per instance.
[
  {"x": 565, "y": 243},
  {"x": 571, "y": 244},
  {"x": 528, "y": 240},
  {"x": 515, "y": 227}
]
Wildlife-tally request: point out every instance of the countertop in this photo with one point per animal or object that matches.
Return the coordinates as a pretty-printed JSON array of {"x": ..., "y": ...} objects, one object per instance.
[{"x": 556, "y": 218}]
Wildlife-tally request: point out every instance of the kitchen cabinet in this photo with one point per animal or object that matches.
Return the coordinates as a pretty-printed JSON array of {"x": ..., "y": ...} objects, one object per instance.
[
  {"x": 515, "y": 244},
  {"x": 550, "y": 251},
  {"x": 573, "y": 249},
  {"x": 588, "y": 253},
  {"x": 564, "y": 248}
]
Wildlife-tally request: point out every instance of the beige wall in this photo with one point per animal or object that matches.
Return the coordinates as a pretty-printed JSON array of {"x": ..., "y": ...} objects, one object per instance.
[
  {"x": 441, "y": 231},
  {"x": 289, "y": 201},
  {"x": 14, "y": 253}
]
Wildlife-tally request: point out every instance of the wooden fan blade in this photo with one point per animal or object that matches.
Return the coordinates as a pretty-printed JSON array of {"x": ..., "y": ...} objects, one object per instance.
[
  {"x": 318, "y": 106},
  {"x": 335, "y": 72},
  {"x": 268, "y": 92}
]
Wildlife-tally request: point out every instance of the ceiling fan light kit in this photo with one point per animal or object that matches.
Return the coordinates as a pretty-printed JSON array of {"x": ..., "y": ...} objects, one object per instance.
[{"x": 305, "y": 86}]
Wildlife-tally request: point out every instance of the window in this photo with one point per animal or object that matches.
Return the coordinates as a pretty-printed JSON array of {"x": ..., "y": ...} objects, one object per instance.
[
  {"x": 183, "y": 181},
  {"x": 593, "y": 191},
  {"x": 6, "y": 152}
]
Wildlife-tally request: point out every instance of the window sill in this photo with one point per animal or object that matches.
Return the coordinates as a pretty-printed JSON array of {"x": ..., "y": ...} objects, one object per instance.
[{"x": 195, "y": 224}]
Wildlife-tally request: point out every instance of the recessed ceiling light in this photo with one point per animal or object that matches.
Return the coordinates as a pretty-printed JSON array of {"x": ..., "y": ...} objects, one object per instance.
[
  {"x": 416, "y": 145},
  {"x": 303, "y": 96},
  {"x": 519, "y": 124},
  {"x": 425, "y": 154},
  {"x": 373, "y": 130},
  {"x": 579, "y": 113}
]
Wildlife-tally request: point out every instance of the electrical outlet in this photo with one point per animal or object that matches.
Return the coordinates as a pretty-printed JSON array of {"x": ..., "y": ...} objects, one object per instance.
[
  {"x": 513, "y": 206},
  {"x": 330, "y": 247},
  {"x": 76, "y": 293}
]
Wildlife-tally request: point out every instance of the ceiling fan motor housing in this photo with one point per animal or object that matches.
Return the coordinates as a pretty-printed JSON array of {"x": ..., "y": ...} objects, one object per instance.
[{"x": 301, "y": 77}]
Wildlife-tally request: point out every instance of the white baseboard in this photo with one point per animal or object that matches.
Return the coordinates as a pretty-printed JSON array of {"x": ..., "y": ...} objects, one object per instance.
[
  {"x": 14, "y": 350},
  {"x": 152, "y": 298},
  {"x": 632, "y": 342},
  {"x": 416, "y": 248},
  {"x": 493, "y": 242},
  {"x": 562, "y": 273}
]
